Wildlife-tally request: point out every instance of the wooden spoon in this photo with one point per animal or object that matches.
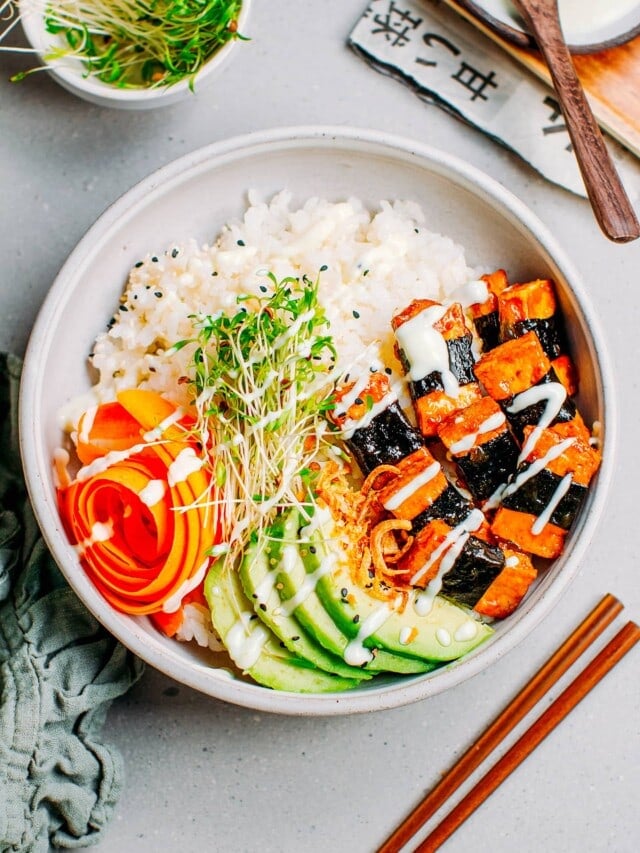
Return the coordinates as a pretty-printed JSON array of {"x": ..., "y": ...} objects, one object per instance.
[{"x": 608, "y": 198}]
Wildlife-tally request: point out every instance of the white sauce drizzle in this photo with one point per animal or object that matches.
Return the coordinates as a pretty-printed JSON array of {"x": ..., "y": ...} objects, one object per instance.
[
  {"x": 153, "y": 492},
  {"x": 185, "y": 463},
  {"x": 157, "y": 432},
  {"x": 545, "y": 516},
  {"x": 87, "y": 424},
  {"x": 471, "y": 293},
  {"x": 103, "y": 463},
  {"x": 412, "y": 486},
  {"x": 554, "y": 393},
  {"x": 100, "y": 532},
  {"x": 511, "y": 562},
  {"x": 468, "y": 441},
  {"x": 405, "y": 635},
  {"x": 449, "y": 549},
  {"x": 466, "y": 631},
  {"x": 174, "y": 601},
  {"x": 350, "y": 425},
  {"x": 356, "y": 653},
  {"x": 426, "y": 349},
  {"x": 245, "y": 640},
  {"x": 443, "y": 636}
]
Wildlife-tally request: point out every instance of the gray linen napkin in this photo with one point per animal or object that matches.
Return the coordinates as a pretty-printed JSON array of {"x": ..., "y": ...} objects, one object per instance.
[{"x": 59, "y": 671}]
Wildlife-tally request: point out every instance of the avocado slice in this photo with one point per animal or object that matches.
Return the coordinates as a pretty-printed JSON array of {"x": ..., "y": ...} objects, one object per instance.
[
  {"x": 298, "y": 579},
  {"x": 258, "y": 579},
  {"x": 252, "y": 645},
  {"x": 444, "y": 633}
]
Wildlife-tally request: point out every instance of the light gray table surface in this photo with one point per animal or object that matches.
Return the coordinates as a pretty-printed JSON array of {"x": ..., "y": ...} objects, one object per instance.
[{"x": 203, "y": 775}]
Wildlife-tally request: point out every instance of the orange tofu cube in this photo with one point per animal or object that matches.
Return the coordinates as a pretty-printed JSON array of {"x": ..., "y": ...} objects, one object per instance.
[
  {"x": 514, "y": 526},
  {"x": 512, "y": 367}
]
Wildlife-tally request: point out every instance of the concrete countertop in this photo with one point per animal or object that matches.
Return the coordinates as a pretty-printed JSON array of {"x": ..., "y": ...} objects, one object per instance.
[{"x": 204, "y": 775}]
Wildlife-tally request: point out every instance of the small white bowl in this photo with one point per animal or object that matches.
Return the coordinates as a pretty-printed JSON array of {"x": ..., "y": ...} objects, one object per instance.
[
  {"x": 69, "y": 72},
  {"x": 194, "y": 197}
]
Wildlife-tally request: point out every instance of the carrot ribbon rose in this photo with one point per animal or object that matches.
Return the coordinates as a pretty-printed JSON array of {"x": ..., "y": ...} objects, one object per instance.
[{"x": 136, "y": 511}]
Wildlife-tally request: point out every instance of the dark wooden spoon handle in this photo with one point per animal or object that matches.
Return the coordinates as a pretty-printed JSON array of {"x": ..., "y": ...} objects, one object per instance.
[{"x": 608, "y": 198}]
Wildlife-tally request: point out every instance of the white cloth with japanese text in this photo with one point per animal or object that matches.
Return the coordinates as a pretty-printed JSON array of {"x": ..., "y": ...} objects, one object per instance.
[{"x": 449, "y": 63}]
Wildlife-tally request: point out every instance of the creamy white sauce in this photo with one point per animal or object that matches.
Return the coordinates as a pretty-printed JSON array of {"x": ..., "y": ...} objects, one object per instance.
[
  {"x": 350, "y": 425},
  {"x": 87, "y": 421},
  {"x": 185, "y": 463},
  {"x": 545, "y": 516},
  {"x": 356, "y": 653},
  {"x": 426, "y": 349},
  {"x": 443, "y": 636},
  {"x": 410, "y": 488},
  {"x": 245, "y": 640},
  {"x": 103, "y": 463},
  {"x": 511, "y": 562},
  {"x": 449, "y": 550},
  {"x": 471, "y": 293},
  {"x": 536, "y": 466},
  {"x": 174, "y": 601},
  {"x": 554, "y": 394},
  {"x": 100, "y": 532},
  {"x": 468, "y": 441},
  {"x": 405, "y": 635},
  {"x": 157, "y": 432},
  {"x": 153, "y": 492},
  {"x": 466, "y": 631}
]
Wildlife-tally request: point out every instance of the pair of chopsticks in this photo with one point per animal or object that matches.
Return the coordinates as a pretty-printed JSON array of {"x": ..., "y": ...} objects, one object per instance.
[{"x": 570, "y": 650}]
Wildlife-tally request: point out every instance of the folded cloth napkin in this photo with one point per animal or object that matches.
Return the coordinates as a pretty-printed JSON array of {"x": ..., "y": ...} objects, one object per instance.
[{"x": 59, "y": 671}]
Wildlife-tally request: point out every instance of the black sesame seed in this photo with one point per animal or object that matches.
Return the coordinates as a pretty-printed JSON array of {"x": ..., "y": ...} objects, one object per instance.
[
  {"x": 174, "y": 253},
  {"x": 344, "y": 592},
  {"x": 158, "y": 294},
  {"x": 324, "y": 268},
  {"x": 138, "y": 264},
  {"x": 416, "y": 230},
  {"x": 356, "y": 619},
  {"x": 312, "y": 549},
  {"x": 295, "y": 639},
  {"x": 282, "y": 645},
  {"x": 263, "y": 288},
  {"x": 154, "y": 260},
  {"x": 388, "y": 371},
  {"x": 252, "y": 617},
  {"x": 356, "y": 314},
  {"x": 240, "y": 242},
  {"x": 366, "y": 272},
  {"x": 123, "y": 308},
  {"x": 263, "y": 607},
  {"x": 214, "y": 273},
  {"x": 359, "y": 401}
]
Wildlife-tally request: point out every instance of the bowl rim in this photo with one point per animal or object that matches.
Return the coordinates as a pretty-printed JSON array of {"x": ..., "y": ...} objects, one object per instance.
[
  {"x": 409, "y": 689},
  {"x": 67, "y": 72}
]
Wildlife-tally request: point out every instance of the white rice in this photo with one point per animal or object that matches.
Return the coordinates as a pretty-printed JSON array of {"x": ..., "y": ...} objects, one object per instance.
[{"x": 376, "y": 263}]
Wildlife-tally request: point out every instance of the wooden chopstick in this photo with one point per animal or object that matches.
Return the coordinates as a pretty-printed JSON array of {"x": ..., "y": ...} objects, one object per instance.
[
  {"x": 579, "y": 640},
  {"x": 593, "y": 673}
]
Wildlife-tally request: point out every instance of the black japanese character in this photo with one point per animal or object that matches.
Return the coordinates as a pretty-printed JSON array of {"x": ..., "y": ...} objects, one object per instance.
[
  {"x": 474, "y": 81},
  {"x": 396, "y": 25},
  {"x": 556, "y": 113}
]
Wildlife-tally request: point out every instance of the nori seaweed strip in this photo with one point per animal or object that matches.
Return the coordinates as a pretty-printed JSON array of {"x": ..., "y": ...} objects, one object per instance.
[
  {"x": 475, "y": 569},
  {"x": 461, "y": 363},
  {"x": 534, "y": 495},
  {"x": 450, "y": 506},
  {"x": 386, "y": 439},
  {"x": 532, "y": 414},
  {"x": 488, "y": 329},
  {"x": 488, "y": 465},
  {"x": 548, "y": 332}
]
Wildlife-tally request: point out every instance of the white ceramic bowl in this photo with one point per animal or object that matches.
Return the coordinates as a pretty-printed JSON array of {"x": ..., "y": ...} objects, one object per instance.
[
  {"x": 194, "y": 196},
  {"x": 68, "y": 72}
]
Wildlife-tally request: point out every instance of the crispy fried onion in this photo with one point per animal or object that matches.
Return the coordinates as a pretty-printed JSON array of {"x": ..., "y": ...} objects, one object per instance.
[{"x": 371, "y": 543}]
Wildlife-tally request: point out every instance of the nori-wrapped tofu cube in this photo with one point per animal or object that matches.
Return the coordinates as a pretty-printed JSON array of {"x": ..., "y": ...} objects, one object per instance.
[
  {"x": 475, "y": 565},
  {"x": 420, "y": 492},
  {"x": 518, "y": 375},
  {"x": 374, "y": 426},
  {"x": 435, "y": 348},
  {"x": 506, "y": 592},
  {"x": 482, "y": 446},
  {"x": 532, "y": 307},
  {"x": 485, "y": 314},
  {"x": 543, "y": 499}
]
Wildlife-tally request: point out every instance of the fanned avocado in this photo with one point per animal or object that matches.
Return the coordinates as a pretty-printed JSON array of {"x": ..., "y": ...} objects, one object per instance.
[
  {"x": 254, "y": 648},
  {"x": 444, "y": 633},
  {"x": 258, "y": 579},
  {"x": 299, "y": 579}
]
